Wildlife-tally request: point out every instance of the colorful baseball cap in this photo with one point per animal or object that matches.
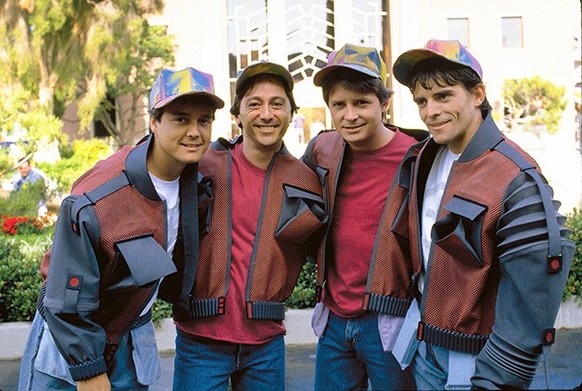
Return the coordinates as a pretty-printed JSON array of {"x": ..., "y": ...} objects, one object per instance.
[
  {"x": 451, "y": 50},
  {"x": 263, "y": 67},
  {"x": 362, "y": 59},
  {"x": 172, "y": 84}
]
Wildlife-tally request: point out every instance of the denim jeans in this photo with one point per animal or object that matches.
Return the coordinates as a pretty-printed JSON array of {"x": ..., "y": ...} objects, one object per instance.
[
  {"x": 350, "y": 354},
  {"x": 205, "y": 364},
  {"x": 432, "y": 364},
  {"x": 43, "y": 368}
]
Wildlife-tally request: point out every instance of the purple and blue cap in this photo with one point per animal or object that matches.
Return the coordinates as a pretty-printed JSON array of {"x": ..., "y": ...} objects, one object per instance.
[
  {"x": 451, "y": 50},
  {"x": 172, "y": 84},
  {"x": 361, "y": 59}
]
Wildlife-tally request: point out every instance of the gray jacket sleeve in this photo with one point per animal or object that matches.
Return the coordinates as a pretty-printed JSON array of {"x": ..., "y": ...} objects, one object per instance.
[
  {"x": 72, "y": 293},
  {"x": 530, "y": 287}
]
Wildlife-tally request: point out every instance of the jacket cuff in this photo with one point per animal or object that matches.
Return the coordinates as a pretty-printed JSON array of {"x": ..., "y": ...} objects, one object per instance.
[
  {"x": 502, "y": 365},
  {"x": 88, "y": 369}
]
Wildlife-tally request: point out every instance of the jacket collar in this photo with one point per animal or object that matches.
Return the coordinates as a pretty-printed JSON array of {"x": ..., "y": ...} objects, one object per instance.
[
  {"x": 485, "y": 138},
  {"x": 137, "y": 171}
]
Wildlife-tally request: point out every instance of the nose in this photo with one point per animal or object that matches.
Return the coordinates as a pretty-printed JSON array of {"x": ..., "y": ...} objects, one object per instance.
[
  {"x": 432, "y": 109},
  {"x": 193, "y": 130},
  {"x": 266, "y": 112},
  {"x": 351, "y": 113}
]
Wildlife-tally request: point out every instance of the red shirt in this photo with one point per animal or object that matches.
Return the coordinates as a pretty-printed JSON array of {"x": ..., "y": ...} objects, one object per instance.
[
  {"x": 362, "y": 190},
  {"x": 247, "y": 192}
]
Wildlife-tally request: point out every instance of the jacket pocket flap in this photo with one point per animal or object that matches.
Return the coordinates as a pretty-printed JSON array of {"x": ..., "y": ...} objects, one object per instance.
[
  {"x": 465, "y": 208},
  {"x": 146, "y": 259},
  {"x": 294, "y": 192}
]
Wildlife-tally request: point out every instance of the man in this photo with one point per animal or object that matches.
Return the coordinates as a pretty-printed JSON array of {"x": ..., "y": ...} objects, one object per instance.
[
  {"x": 130, "y": 222},
  {"x": 488, "y": 245},
  {"x": 266, "y": 214},
  {"x": 27, "y": 175},
  {"x": 361, "y": 265}
]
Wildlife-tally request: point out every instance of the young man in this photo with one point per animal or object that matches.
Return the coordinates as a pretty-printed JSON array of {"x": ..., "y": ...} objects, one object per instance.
[
  {"x": 129, "y": 223},
  {"x": 266, "y": 214},
  {"x": 487, "y": 242},
  {"x": 361, "y": 264}
]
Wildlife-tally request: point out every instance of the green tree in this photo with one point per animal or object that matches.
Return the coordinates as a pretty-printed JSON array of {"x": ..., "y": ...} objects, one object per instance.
[
  {"x": 534, "y": 101},
  {"x": 66, "y": 51}
]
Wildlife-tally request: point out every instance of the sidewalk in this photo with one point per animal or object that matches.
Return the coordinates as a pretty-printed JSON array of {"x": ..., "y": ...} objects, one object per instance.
[{"x": 565, "y": 366}]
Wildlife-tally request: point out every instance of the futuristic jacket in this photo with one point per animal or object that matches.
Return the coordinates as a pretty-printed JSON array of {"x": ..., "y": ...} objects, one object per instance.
[
  {"x": 388, "y": 288},
  {"x": 498, "y": 261},
  {"x": 292, "y": 214},
  {"x": 108, "y": 255}
]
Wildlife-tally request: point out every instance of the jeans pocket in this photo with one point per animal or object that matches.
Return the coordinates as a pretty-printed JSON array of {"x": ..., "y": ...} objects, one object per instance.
[
  {"x": 319, "y": 319},
  {"x": 145, "y": 354},
  {"x": 49, "y": 360}
]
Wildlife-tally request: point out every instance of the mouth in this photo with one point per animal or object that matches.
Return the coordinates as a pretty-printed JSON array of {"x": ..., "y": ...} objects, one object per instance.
[
  {"x": 352, "y": 128},
  {"x": 267, "y": 128},
  {"x": 191, "y": 146},
  {"x": 436, "y": 125}
]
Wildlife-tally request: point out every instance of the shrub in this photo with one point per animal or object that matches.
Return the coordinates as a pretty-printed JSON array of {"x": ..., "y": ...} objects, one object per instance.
[
  {"x": 24, "y": 202},
  {"x": 303, "y": 295},
  {"x": 20, "y": 278},
  {"x": 534, "y": 101},
  {"x": 83, "y": 155},
  {"x": 574, "y": 284}
]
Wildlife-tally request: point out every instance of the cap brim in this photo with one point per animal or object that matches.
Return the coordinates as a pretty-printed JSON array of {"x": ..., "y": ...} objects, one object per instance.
[
  {"x": 219, "y": 103},
  {"x": 320, "y": 76},
  {"x": 407, "y": 60}
]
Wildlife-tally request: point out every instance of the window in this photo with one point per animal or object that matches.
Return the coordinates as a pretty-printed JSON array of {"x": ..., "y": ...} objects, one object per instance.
[
  {"x": 511, "y": 31},
  {"x": 459, "y": 30}
]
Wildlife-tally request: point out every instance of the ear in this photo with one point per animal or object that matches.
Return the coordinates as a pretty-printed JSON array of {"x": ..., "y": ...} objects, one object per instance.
[
  {"x": 478, "y": 94},
  {"x": 385, "y": 106},
  {"x": 153, "y": 124}
]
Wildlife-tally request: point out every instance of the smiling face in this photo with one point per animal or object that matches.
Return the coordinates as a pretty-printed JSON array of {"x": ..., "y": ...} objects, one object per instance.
[
  {"x": 265, "y": 115},
  {"x": 358, "y": 118},
  {"x": 451, "y": 113},
  {"x": 181, "y": 137}
]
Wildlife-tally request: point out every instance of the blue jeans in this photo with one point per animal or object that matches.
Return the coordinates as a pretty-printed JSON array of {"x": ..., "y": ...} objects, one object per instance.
[
  {"x": 206, "y": 364},
  {"x": 350, "y": 353},
  {"x": 432, "y": 364},
  {"x": 43, "y": 368}
]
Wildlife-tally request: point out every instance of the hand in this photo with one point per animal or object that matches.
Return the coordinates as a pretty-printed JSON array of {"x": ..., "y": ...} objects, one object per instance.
[{"x": 97, "y": 383}]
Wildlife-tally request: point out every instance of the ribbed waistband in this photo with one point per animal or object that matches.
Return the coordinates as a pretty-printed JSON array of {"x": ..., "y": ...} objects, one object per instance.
[{"x": 452, "y": 340}]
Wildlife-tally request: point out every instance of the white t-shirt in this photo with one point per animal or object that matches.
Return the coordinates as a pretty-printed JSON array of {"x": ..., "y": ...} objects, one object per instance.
[
  {"x": 433, "y": 193},
  {"x": 169, "y": 191}
]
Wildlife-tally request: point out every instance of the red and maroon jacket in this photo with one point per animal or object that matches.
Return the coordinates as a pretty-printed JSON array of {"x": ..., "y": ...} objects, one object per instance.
[
  {"x": 108, "y": 255},
  {"x": 292, "y": 215},
  {"x": 388, "y": 288}
]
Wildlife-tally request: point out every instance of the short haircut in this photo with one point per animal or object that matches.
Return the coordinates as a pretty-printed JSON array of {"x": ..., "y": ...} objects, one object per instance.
[
  {"x": 354, "y": 81},
  {"x": 235, "y": 109},
  {"x": 443, "y": 72}
]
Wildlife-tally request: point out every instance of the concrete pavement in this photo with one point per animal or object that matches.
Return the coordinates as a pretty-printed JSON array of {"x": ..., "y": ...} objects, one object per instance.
[{"x": 565, "y": 367}]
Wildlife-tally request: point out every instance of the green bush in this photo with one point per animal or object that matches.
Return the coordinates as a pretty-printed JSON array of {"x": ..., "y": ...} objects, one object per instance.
[
  {"x": 574, "y": 284},
  {"x": 20, "y": 278},
  {"x": 24, "y": 202},
  {"x": 75, "y": 161},
  {"x": 303, "y": 295}
]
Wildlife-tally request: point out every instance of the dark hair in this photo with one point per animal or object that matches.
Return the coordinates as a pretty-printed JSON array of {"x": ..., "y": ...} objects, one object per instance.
[
  {"x": 446, "y": 73},
  {"x": 250, "y": 83},
  {"x": 194, "y": 100},
  {"x": 355, "y": 81}
]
